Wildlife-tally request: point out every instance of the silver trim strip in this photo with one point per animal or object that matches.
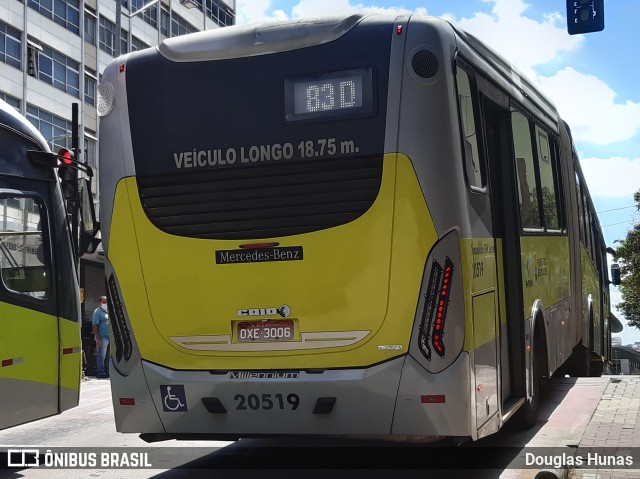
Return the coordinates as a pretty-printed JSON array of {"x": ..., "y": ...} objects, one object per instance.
[{"x": 222, "y": 342}]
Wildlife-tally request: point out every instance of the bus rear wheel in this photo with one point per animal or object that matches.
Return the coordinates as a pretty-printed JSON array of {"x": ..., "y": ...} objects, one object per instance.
[{"x": 527, "y": 415}]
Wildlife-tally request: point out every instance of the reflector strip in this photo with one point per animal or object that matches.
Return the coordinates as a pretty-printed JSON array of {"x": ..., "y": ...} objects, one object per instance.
[
  {"x": 433, "y": 399},
  {"x": 12, "y": 362},
  {"x": 75, "y": 349},
  {"x": 127, "y": 402}
]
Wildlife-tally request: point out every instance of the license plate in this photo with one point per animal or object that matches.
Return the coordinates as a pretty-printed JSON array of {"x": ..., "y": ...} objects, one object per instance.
[{"x": 268, "y": 330}]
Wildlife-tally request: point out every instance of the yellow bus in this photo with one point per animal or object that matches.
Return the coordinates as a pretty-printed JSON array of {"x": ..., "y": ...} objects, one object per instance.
[
  {"x": 40, "y": 347},
  {"x": 344, "y": 226}
]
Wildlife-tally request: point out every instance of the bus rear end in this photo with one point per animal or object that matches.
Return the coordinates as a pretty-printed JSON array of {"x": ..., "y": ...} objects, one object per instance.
[{"x": 272, "y": 266}]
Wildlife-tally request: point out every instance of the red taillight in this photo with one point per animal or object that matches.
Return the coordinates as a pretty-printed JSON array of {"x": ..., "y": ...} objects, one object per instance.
[
  {"x": 7, "y": 362},
  {"x": 398, "y": 29},
  {"x": 435, "y": 309},
  {"x": 127, "y": 402},
  {"x": 66, "y": 157},
  {"x": 258, "y": 245},
  {"x": 443, "y": 303}
]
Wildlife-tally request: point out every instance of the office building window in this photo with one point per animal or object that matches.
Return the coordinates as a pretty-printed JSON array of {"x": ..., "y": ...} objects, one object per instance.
[
  {"x": 124, "y": 41},
  {"x": 10, "y": 47},
  {"x": 56, "y": 130},
  {"x": 89, "y": 27},
  {"x": 14, "y": 102},
  {"x": 107, "y": 36},
  {"x": 219, "y": 12},
  {"x": 164, "y": 22},
  {"x": 90, "y": 82},
  {"x": 137, "y": 44},
  {"x": 179, "y": 26},
  {"x": 150, "y": 15},
  {"x": 58, "y": 70},
  {"x": 63, "y": 12}
]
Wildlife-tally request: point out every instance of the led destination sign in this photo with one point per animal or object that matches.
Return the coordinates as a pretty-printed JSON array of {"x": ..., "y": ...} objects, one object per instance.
[{"x": 335, "y": 94}]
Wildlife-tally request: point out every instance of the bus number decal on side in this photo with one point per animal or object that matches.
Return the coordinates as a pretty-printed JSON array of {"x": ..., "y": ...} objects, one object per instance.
[
  {"x": 266, "y": 401},
  {"x": 478, "y": 269}
]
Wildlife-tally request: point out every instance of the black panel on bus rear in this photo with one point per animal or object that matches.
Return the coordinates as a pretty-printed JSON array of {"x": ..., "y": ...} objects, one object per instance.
[{"x": 210, "y": 110}]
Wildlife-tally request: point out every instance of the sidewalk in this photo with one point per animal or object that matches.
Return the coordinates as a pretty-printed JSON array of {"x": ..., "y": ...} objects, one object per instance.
[
  {"x": 614, "y": 424},
  {"x": 577, "y": 415}
]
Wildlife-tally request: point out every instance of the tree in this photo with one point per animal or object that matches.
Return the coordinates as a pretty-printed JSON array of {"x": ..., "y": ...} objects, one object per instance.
[{"x": 628, "y": 256}]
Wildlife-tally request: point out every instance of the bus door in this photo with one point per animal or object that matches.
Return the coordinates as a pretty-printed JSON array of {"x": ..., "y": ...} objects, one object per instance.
[
  {"x": 500, "y": 172},
  {"x": 502, "y": 185},
  {"x": 29, "y": 331},
  {"x": 482, "y": 256}
]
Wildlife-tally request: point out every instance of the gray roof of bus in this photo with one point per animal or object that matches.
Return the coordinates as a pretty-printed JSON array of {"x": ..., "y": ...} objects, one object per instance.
[{"x": 10, "y": 117}]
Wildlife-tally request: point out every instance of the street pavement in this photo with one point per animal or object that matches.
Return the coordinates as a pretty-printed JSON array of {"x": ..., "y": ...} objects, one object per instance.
[{"x": 577, "y": 416}]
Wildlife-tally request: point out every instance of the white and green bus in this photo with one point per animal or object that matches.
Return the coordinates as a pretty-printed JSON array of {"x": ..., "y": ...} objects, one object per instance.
[
  {"x": 362, "y": 226},
  {"x": 40, "y": 346}
]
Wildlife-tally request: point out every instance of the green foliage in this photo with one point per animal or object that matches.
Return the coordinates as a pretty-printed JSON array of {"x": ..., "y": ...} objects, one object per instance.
[{"x": 628, "y": 256}]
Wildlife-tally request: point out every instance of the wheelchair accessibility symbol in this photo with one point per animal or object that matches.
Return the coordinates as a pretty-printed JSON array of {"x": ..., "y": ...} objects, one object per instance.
[{"x": 173, "y": 398}]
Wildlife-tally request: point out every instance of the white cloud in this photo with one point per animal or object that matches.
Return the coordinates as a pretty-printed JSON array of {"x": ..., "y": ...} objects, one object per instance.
[
  {"x": 589, "y": 106},
  {"x": 318, "y": 8},
  {"x": 523, "y": 41},
  {"x": 255, "y": 11},
  {"x": 612, "y": 176}
]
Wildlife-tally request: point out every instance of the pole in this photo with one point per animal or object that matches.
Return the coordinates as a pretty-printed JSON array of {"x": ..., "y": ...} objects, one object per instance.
[
  {"x": 73, "y": 210},
  {"x": 118, "y": 27}
]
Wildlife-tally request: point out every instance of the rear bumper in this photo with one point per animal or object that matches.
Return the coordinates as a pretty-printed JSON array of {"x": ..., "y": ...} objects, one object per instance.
[{"x": 382, "y": 400}]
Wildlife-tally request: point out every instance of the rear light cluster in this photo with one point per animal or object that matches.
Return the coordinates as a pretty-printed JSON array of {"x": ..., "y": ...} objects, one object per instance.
[
  {"x": 121, "y": 334},
  {"x": 435, "y": 309}
]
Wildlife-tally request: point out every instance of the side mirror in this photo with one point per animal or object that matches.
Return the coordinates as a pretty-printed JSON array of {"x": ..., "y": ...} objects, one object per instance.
[
  {"x": 615, "y": 274},
  {"x": 87, "y": 210},
  {"x": 90, "y": 226}
]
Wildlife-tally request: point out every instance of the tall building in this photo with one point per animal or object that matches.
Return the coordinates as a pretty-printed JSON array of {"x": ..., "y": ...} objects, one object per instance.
[{"x": 52, "y": 54}]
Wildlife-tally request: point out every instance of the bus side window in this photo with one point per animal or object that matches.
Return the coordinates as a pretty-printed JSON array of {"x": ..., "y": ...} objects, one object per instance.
[
  {"x": 525, "y": 169},
  {"x": 580, "y": 209},
  {"x": 467, "y": 110},
  {"x": 548, "y": 181},
  {"x": 24, "y": 268}
]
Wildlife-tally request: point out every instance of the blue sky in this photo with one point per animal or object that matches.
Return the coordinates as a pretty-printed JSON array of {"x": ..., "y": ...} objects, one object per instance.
[{"x": 594, "y": 79}]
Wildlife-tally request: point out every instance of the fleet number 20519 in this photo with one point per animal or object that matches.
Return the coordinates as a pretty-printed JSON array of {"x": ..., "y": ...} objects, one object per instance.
[{"x": 267, "y": 401}]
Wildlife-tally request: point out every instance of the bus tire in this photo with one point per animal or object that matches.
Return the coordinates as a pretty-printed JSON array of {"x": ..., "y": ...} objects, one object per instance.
[
  {"x": 579, "y": 362},
  {"x": 596, "y": 368},
  {"x": 527, "y": 415}
]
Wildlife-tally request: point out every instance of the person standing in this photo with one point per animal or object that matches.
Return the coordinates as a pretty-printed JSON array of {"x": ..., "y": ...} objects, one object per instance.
[{"x": 100, "y": 323}]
